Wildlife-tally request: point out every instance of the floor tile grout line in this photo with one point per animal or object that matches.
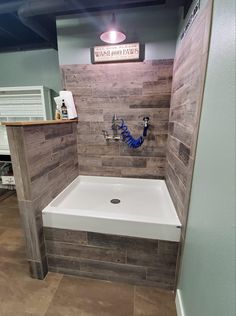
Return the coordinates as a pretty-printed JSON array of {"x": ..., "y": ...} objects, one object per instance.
[
  {"x": 53, "y": 294},
  {"x": 135, "y": 299}
]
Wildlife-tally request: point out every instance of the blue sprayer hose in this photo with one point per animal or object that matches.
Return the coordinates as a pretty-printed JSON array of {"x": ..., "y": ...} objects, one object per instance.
[{"x": 128, "y": 138}]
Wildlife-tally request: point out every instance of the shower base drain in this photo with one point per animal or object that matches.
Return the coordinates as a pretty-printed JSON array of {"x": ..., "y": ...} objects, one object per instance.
[{"x": 115, "y": 201}]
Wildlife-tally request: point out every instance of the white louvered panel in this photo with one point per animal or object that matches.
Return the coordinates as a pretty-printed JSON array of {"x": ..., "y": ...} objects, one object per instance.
[
  {"x": 13, "y": 102},
  {"x": 20, "y": 97},
  {"x": 21, "y": 111},
  {"x": 3, "y": 139},
  {"x": 20, "y": 90},
  {"x": 21, "y": 104},
  {"x": 22, "y": 93}
]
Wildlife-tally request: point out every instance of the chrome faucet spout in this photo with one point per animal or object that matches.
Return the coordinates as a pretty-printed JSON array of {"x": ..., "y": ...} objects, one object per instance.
[{"x": 115, "y": 125}]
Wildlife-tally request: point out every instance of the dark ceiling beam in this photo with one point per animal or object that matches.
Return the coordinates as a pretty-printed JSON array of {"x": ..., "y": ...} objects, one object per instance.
[
  {"x": 10, "y": 6},
  {"x": 34, "y": 8},
  {"x": 34, "y": 15},
  {"x": 24, "y": 47},
  {"x": 59, "y": 7},
  {"x": 110, "y": 7},
  {"x": 13, "y": 25},
  {"x": 31, "y": 9},
  {"x": 45, "y": 33},
  {"x": 6, "y": 34}
]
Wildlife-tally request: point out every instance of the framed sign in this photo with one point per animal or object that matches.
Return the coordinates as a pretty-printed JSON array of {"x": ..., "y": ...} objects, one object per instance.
[{"x": 117, "y": 53}]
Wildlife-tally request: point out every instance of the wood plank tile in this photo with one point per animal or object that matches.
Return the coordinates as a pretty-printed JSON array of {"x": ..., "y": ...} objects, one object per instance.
[
  {"x": 103, "y": 269},
  {"x": 86, "y": 252},
  {"x": 115, "y": 241},
  {"x": 65, "y": 235},
  {"x": 187, "y": 92},
  {"x": 133, "y": 90}
]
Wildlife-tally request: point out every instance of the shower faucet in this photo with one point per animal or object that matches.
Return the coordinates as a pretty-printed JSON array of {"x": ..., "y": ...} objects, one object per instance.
[
  {"x": 121, "y": 132},
  {"x": 110, "y": 137},
  {"x": 115, "y": 127}
]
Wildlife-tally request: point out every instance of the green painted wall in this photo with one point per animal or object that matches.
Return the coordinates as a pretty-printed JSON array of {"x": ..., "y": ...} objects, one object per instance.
[
  {"x": 207, "y": 280},
  {"x": 37, "y": 67},
  {"x": 154, "y": 26}
]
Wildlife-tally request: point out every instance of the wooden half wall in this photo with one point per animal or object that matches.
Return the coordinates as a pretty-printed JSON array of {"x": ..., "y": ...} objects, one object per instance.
[{"x": 45, "y": 161}]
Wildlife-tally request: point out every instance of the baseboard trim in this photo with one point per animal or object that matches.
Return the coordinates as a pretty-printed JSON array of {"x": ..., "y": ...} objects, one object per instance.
[{"x": 179, "y": 304}]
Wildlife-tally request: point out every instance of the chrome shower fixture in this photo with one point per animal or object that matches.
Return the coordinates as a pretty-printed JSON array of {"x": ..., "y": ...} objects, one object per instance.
[{"x": 120, "y": 131}]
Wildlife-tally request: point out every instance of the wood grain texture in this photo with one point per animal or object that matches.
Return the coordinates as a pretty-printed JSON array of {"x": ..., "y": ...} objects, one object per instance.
[
  {"x": 38, "y": 122},
  {"x": 45, "y": 161},
  {"x": 132, "y": 91},
  {"x": 85, "y": 252},
  {"x": 19, "y": 161},
  {"x": 186, "y": 100},
  {"x": 111, "y": 257}
]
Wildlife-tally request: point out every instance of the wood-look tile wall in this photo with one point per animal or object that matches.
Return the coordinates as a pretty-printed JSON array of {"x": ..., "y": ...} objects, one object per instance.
[
  {"x": 110, "y": 257},
  {"x": 132, "y": 91},
  {"x": 45, "y": 161},
  {"x": 186, "y": 100}
]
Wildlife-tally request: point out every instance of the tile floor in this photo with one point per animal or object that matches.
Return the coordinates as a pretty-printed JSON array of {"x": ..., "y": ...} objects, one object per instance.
[{"x": 64, "y": 295}]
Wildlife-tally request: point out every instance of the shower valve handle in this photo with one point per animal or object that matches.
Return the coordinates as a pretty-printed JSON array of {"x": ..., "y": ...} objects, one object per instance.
[{"x": 146, "y": 121}]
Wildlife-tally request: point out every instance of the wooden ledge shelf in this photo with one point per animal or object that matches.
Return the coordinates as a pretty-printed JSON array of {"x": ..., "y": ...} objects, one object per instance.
[{"x": 42, "y": 122}]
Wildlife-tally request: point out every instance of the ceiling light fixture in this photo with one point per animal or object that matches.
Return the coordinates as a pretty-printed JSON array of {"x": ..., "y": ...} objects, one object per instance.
[{"x": 113, "y": 35}]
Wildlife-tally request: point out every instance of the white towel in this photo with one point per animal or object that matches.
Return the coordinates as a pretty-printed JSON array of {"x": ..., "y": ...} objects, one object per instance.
[{"x": 67, "y": 96}]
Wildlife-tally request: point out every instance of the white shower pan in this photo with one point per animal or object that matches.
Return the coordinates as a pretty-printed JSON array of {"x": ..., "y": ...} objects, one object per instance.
[{"x": 143, "y": 208}]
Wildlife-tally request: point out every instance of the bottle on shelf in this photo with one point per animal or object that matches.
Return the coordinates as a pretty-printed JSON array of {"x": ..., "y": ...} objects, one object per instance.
[
  {"x": 58, "y": 114},
  {"x": 64, "y": 111}
]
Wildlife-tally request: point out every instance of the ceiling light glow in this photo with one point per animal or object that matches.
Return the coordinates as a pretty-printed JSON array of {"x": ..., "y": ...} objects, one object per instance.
[{"x": 113, "y": 35}]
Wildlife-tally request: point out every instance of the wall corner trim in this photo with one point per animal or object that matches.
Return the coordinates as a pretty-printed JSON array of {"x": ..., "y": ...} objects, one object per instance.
[{"x": 179, "y": 304}]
